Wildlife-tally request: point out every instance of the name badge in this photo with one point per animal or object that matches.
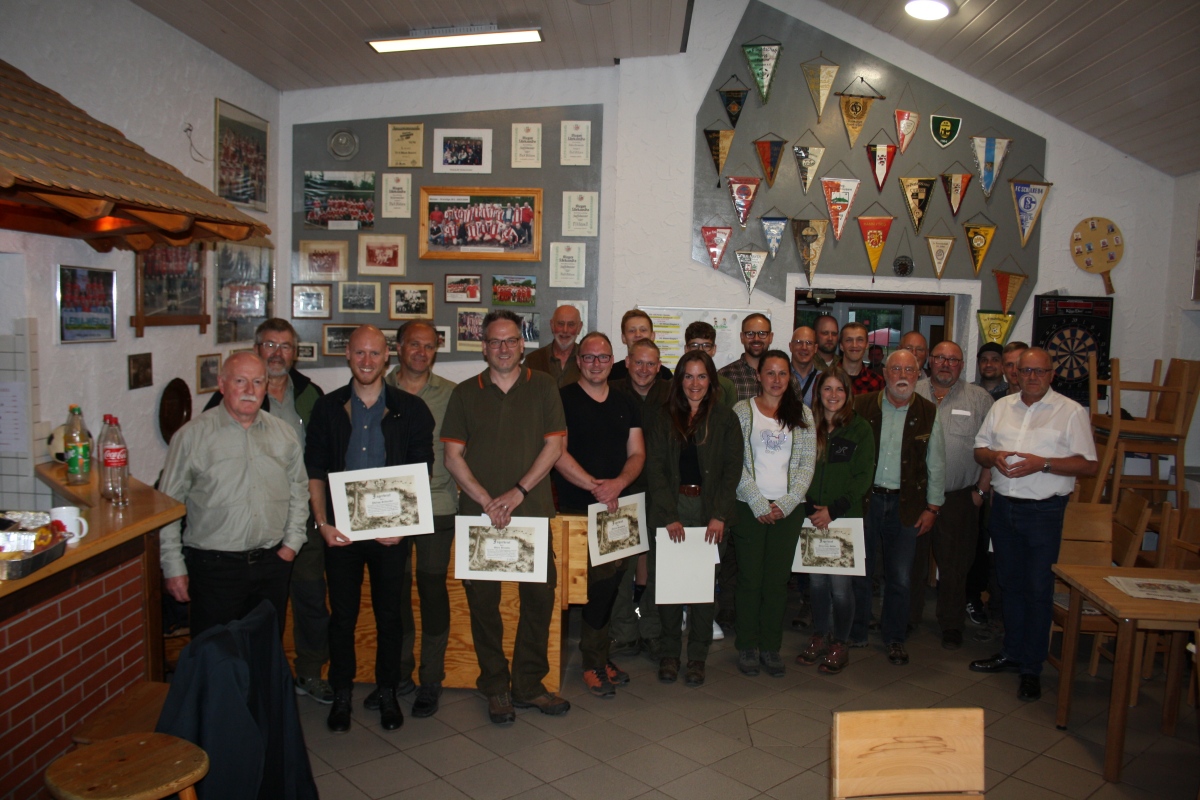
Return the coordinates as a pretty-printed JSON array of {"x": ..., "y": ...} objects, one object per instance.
[{"x": 960, "y": 412}]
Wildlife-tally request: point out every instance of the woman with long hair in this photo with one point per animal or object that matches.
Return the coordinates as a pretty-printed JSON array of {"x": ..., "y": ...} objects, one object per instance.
[
  {"x": 777, "y": 466},
  {"x": 693, "y": 463},
  {"x": 841, "y": 480}
]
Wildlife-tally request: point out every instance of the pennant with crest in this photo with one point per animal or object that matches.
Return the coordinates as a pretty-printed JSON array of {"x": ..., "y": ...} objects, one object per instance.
[
  {"x": 716, "y": 239},
  {"x": 906, "y": 127},
  {"x": 855, "y": 108},
  {"x": 733, "y": 99},
  {"x": 939, "y": 252},
  {"x": 955, "y": 184},
  {"x": 875, "y": 231},
  {"x": 809, "y": 234},
  {"x": 808, "y": 158},
  {"x": 751, "y": 263},
  {"x": 881, "y": 157},
  {"x": 763, "y": 58},
  {"x": 742, "y": 191},
  {"x": 819, "y": 74},
  {"x": 1009, "y": 284},
  {"x": 770, "y": 154},
  {"x": 1028, "y": 199},
  {"x": 944, "y": 129},
  {"x": 979, "y": 238},
  {"x": 916, "y": 193},
  {"x": 994, "y": 326},
  {"x": 774, "y": 223},
  {"x": 839, "y": 198},
  {"x": 719, "y": 142},
  {"x": 989, "y": 153}
]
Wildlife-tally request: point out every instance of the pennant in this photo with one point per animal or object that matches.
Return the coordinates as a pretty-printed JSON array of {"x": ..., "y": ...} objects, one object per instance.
[
  {"x": 1028, "y": 199},
  {"x": 916, "y": 192},
  {"x": 733, "y": 100},
  {"x": 939, "y": 252},
  {"x": 1009, "y": 285},
  {"x": 773, "y": 227},
  {"x": 944, "y": 129},
  {"x": 993, "y": 327},
  {"x": 989, "y": 153},
  {"x": 810, "y": 238},
  {"x": 874, "y": 234},
  {"x": 751, "y": 262},
  {"x": 819, "y": 78},
  {"x": 762, "y": 59},
  {"x": 979, "y": 239},
  {"x": 906, "y": 127},
  {"x": 807, "y": 159},
  {"x": 881, "y": 157},
  {"x": 955, "y": 184},
  {"x": 716, "y": 239},
  {"x": 854, "y": 113},
  {"x": 742, "y": 190},
  {"x": 839, "y": 197},
  {"x": 719, "y": 143},
  {"x": 770, "y": 153}
]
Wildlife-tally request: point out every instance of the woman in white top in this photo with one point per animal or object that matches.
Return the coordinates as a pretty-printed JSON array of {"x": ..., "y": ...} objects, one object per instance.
[{"x": 777, "y": 466}]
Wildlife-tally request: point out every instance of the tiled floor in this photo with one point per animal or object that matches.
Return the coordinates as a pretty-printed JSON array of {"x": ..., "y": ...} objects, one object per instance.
[{"x": 739, "y": 737}]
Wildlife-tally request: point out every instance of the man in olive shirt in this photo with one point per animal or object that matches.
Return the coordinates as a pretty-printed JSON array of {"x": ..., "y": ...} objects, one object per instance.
[
  {"x": 504, "y": 431},
  {"x": 557, "y": 359},
  {"x": 241, "y": 474}
]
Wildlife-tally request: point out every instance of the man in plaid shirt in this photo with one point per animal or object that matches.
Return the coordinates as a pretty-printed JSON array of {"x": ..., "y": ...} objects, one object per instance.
[
  {"x": 854, "y": 347},
  {"x": 756, "y": 339}
]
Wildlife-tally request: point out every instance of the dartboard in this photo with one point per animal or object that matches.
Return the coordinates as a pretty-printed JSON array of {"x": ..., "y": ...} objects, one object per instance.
[
  {"x": 1070, "y": 348},
  {"x": 1070, "y": 329}
]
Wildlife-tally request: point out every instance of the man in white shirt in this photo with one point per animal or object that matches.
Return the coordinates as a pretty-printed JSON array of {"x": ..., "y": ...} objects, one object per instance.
[{"x": 1035, "y": 443}]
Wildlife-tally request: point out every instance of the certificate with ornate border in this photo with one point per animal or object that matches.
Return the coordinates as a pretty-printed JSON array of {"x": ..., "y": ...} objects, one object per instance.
[
  {"x": 406, "y": 144},
  {"x": 517, "y": 552},
  {"x": 382, "y": 502},
  {"x": 581, "y": 214},
  {"x": 838, "y": 550},
  {"x": 575, "y": 143},
  {"x": 526, "y": 145},
  {"x": 568, "y": 265},
  {"x": 613, "y": 535}
]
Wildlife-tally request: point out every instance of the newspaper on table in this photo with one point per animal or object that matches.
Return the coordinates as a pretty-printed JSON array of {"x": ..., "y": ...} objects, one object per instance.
[{"x": 1157, "y": 589}]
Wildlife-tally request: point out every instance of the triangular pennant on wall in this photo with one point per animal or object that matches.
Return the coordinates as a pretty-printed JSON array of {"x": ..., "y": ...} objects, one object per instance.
[
  {"x": 810, "y": 239},
  {"x": 955, "y": 184},
  {"x": 716, "y": 239},
  {"x": 719, "y": 142},
  {"x": 989, "y": 153},
  {"x": 819, "y": 78},
  {"x": 906, "y": 127},
  {"x": 751, "y": 263},
  {"x": 742, "y": 191},
  {"x": 1028, "y": 199},
  {"x": 881, "y": 157},
  {"x": 874, "y": 234},
  {"x": 763, "y": 58},
  {"x": 979, "y": 239},
  {"x": 773, "y": 226},
  {"x": 939, "y": 252},
  {"x": 839, "y": 197},
  {"x": 916, "y": 192},
  {"x": 770, "y": 154},
  {"x": 808, "y": 158}
]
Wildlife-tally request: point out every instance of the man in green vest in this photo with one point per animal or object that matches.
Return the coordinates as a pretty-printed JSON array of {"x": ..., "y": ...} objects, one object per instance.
[{"x": 905, "y": 500}]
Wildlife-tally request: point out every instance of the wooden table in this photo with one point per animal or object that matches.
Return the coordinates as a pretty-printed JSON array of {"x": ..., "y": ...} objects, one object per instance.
[{"x": 1131, "y": 615}]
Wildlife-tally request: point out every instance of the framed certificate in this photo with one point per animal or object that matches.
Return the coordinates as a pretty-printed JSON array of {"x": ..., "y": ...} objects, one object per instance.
[
  {"x": 838, "y": 550},
  {"x": 518, "y": 552},
  {"x": 613, "y": 535},
  {"x": 383, "y": 502}
]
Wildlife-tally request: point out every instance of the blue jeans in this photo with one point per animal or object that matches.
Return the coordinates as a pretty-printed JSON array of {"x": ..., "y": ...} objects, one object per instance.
[
  {"x": 1025, "y": 540},
  {"x": 832, "y": 598},
  {"x": 895, "y": 544}
]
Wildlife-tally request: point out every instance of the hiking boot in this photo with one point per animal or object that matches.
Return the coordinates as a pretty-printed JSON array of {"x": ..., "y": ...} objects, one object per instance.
[
  {"x": 616, "y": 675},
  {"x": 772, "y": 663},
  {"x": 748, "y": 662},
  {"x": 835, "y": 659},
  {"x": 812, "y": 654},
  {"x": 596, "y": 681},
  {"x": 896, "y": 654},
  {"x": 547, "y": 703},
  {"x": 695, "y": 674},
  {"x": 668, "y": 670},
  {"x": 390, "y": 716},
  {"x": 500, "y": 709}
]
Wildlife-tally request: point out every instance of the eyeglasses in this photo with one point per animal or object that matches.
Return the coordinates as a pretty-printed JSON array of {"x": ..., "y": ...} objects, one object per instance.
[
  {"x": 498, "y": 344},
  {"x": 592, "y": 358},
  {"x": 271, "y": 347},
  {"x": 904, "y": 370},
  {"x": 756, "y": 334},
  {"x": 700, "y": 346},
  {"x": 1041, "y": 372},
  {"x": 951, "y": 360},
  {"x": 803, "y": 342}
]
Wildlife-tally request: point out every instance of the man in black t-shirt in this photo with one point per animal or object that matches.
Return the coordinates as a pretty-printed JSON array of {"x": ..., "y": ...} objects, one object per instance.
[{"x": 604, "y": 454}]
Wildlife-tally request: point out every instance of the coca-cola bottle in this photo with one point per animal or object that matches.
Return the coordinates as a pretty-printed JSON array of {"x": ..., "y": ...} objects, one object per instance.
[
  {"x": 115, "y": 461},
  {"x": 105, "y": 478},
  {"x": 78, "y": 448}
]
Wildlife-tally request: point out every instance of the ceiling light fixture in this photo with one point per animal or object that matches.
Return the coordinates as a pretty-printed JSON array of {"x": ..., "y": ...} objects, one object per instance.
[
  {"x": 928, "y": 9},
  {"x": 466, "y": 36}
]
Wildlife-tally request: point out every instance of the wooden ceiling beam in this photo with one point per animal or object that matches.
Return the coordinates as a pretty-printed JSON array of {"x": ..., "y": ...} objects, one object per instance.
[
  {"x": 82, "y": 207},
  {"x": 171, "y": 223},
  {"x": 232, "y": 232}
]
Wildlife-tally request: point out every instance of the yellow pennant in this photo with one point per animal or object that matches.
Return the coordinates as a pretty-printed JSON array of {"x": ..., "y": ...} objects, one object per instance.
[
  {"x": 854, "y": 113},
  {"x": 979, "y": 239},
  {"x": 994, "y": 327}
]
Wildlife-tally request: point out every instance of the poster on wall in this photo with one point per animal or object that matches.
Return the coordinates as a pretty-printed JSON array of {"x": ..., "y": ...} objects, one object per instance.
[
  {"x": 241, "y": 159},
  {"x": 406, "y": 144},
  {"x": 480, "y": 222},
  {"x": 575, "y": 144},
  {"x": 567, "y": 265},
  {"x": 244, "y": 278},
  {"x": 462, "y": 150},
  {"x": 581, "y": 214},
  {"x": 339, "y": 201},
  {"x": 397, "y": 195},
  {"x": 670, "y": 323},
  {"x": 527, "y": 145}
]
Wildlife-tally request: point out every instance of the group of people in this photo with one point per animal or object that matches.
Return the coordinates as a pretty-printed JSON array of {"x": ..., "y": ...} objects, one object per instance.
[{"x": 741, "y": 456}]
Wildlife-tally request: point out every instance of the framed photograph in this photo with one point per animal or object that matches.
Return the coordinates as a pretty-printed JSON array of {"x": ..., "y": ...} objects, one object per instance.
[
  {"x": 335, "y": 338},
  {"x": 514, "y": 290},
  {"x": 613, "y": 535},
  {"x": 381, "y": 254},
  {"x": 339, "y": 201},
  {"x": 470, "y": 329},
  {"x": 312, "y": 301},
  {"x": 87, "y": 300},
  {"x": 241, "y": 158},
  {"x": 684, "y": 570},
  {"x": 208, "y": 368},
  {"x": 482, "y": 223},
  {"x": 840, "y": 550},
  {"x": 406, "y": 144},
  {"x": 515, "y": 553},
  {"x": 141, "y": 371},
  {"x": 443, "y": 338},
  {"x": 326, "y": 260},
  {"x": 245, "y": 279},
  {"x": 355, "y": 297},
  {"x": 307, "y": 351},
  {"x": 377, "y": 503},
  {"x": 410, "y": 301},
  {"x": 463, "y": 289},
  {"x": 169, "y": 288},
  {"x": 531, "y": 326},
  {"x": 462, "y": 150}
]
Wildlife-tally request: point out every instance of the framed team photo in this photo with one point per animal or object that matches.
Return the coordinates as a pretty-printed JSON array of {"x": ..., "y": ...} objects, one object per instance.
[
  {"x": 359, "y": 298},
  {"x": 514, "y": 290},
  {"x": 410, "y": 301},
  {"x": 463, "y": 289},
  {"x": 339, "y": 201},
  {"x": 480, "y": 223},
  {"x": 208, "y": 369},
  {"x": 87, "y": 305},
  {"x": 462, "y": 150},
  {"x": 312, "y": 301},
  {"x": 327, "y": 260},
  {"x": 335, "y": 338},
  {"x": 241, "y": 162},
  {"x": 381, "y": 254}
]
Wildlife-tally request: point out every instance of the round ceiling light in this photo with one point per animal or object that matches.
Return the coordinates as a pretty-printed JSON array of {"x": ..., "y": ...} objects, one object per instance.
[{"x": 927, "y": 9}]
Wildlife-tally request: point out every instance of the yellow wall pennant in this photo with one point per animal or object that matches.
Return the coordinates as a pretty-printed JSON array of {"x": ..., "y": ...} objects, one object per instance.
[{"x": 994, "y": 327}]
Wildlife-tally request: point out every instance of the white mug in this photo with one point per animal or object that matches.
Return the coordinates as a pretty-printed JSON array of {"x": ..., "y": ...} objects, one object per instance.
[{"x": 68, "y": 516}]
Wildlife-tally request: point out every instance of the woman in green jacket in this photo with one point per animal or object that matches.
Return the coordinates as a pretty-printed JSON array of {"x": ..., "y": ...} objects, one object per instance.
[
  {"x": 693, "y": 463},
  {"x": 841, "y": 480}
]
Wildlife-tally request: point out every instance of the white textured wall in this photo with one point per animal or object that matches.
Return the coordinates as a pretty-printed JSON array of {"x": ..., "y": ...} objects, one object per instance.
[{"x": 1182, "y": 315}]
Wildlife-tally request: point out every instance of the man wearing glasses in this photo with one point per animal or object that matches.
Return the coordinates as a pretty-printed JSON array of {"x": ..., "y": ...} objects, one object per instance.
[
  {"x": 1035, "y": 443},
  {"x": 604, "y": 455},
  {"x": 905, "y": 500},
  {"x": 504, "y": 430},
  {"x": 804, "y": 368},
  {"x": 756, "y": 340},
  {"x": 961, "y": 409}
]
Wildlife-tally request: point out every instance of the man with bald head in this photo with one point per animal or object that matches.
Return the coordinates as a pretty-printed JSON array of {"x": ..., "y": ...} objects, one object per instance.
[
  {"x": 241, "y": 475},
  {"x": 804, "y": 364},
  {"x": 916, "y": 343},
  {"x": 366, "y": 424},
  {"x": 557, "y": 359}
]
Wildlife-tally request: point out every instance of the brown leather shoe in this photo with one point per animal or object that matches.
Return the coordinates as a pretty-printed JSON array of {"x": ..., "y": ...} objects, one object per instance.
[
  {"x": 668, "y": 670},
  {"x": 500, "y": 709},
  {"x": 695, "y": 673},
  {"x": 547, "y": 703}
]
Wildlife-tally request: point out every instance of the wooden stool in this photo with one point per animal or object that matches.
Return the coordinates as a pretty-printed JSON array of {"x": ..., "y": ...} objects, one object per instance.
[
  {"x": 137, "y": 766},
  {"x": 135, "y": 710}
]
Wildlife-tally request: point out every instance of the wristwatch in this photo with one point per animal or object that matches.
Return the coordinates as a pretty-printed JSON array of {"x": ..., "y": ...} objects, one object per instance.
[
  {"x": 980, "y": 492},
  {"x": 1046, "y": 467}
]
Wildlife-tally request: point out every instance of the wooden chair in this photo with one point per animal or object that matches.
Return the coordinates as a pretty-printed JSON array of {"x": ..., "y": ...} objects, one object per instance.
[
  {"x": 135, "y": 710},
  {"x": 907, "y": 753},
  {"x": 1087, "y": 539},
  {"x": 137, "y": 766},
  {"x": 1131, "y": 517}
]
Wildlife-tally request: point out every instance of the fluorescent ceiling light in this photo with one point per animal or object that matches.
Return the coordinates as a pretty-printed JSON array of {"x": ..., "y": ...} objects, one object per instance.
[
  {"x": 441, "y": 38},
  {"x": 927, "y": 9}
]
